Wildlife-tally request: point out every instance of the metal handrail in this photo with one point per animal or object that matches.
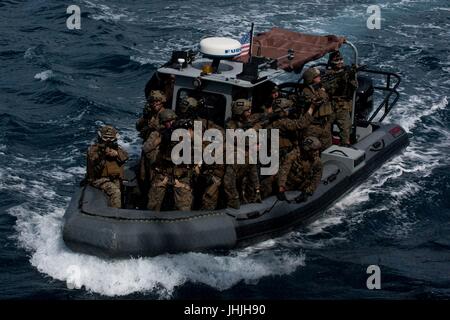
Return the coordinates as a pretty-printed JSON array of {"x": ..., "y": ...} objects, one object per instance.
[
  {"x": 355, "y": 62},
  {"x": 387, "y": 103}
]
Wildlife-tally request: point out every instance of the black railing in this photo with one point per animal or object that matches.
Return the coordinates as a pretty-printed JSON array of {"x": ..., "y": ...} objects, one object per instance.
[
  {"x": 391, "y": 98},
  {"x": 387, "y": 103}
]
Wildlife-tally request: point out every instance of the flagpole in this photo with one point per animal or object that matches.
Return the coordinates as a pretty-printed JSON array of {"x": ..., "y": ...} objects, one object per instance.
[{"x": 251, "y": 42}]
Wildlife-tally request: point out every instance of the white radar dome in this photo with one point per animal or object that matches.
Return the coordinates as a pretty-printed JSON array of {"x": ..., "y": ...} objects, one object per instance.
[{"x": 220, "y": 47}]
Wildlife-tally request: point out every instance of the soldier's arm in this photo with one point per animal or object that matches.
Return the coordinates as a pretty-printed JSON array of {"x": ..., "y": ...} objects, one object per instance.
[
  {"x": 230, "y": 125},
  {"x": 350, "y": 77},
  {"x": 287, "y": 124},
  {"x": 305, "y": 120},
  {"x": 297, "y": 124},
  {"x": 153, "y": 124},
  {"x": 308, "y": 96},
  {"x": 140, "y": 123},
  {"x": 94, "y": 153},
  {"x": 152, "y": 142},
  {"x": 311, "y": 101},
  {"x": 353, "y": 82},
  {"x": 95, "y": 161},
  {"x": 327, "y": 81},
  {"x": 122, "y": 156},
  {"x": 151, "y": 146}
]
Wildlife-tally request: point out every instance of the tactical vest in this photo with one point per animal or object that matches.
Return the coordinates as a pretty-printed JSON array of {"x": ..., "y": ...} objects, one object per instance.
[
  {"x": 112, "y": 169},
  {"x": 325, "y": 109},
  {"x": 100, "y": 167},
  {"x": 150, "y": 123},
  {"x": 163, "y": 163},
  {"x": 320, "y": 94},
  {"x": 340, "y": 86}
]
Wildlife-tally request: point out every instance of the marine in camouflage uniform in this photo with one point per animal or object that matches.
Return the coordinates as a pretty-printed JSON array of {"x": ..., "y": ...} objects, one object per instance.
[
  {"x": 241, "y": 181},
  {"x": 305, "y": 170},
  {"x": 213, "y": 176},
  {"x": 274, "y": 94},
  {"x": 157, "y": 151},
  {"x": 188, "y": 109},
  {"x": 147, "y": 124},
  {"x": 149, "y": 121},
  {"x": 290, "y": 131},
  {"x": 341, "y": 86},
  {"x": 105, "y": 160},
  {"x": 210, "y": 174},
  {"x": 315, "y": 95}
]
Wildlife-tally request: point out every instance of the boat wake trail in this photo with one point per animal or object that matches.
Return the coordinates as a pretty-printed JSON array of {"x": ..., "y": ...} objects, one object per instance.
[{"x": 39, "y": 231}]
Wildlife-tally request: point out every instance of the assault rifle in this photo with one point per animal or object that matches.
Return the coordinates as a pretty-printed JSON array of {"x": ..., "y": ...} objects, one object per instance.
[
  {"x": 337, "y": 84},
  {"x": 107, "y": 144},
  {"x": 265, "y": 119}
]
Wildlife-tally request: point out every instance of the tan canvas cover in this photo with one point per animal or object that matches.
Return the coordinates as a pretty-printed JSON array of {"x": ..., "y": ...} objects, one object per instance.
[{"x": 276, "y": 42}]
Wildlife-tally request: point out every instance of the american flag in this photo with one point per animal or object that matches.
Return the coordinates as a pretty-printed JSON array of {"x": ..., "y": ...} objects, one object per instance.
[{"x": 245, "y": 44}]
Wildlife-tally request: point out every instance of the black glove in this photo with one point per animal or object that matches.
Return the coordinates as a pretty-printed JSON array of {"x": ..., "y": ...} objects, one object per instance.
[
  {"x": 258, "y": 197},
  {"x": 208, "y": 180},
  {"x": 302, "y": 197},
  {"x": 292, "y": 111},
  {"x": 274, "y": 116},
  {"x": 84, "y": 182},
  {"x": 281, "y": 196},
  {"x": 166, "y": 136}
]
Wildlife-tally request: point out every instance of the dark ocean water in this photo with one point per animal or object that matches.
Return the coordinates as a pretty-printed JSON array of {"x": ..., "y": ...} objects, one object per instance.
[{"x": 57, "y": 86}]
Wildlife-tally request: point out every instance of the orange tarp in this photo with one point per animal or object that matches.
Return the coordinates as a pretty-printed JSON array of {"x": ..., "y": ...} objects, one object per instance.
[{"x": 276, "y": 42}]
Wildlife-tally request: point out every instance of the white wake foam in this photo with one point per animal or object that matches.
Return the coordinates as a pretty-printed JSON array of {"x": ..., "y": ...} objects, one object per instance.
[
  {"x": 44, "y": 75},
  {"x": 39, "y": 231}
]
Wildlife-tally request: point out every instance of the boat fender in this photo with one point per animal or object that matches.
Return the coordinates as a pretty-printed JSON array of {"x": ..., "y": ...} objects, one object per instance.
[
  {"x": 251, "y": 215},
  {"x": 341, "y": 152},
  {"x": 378, "y": 146},
  {"x": 331, "y": 177}
]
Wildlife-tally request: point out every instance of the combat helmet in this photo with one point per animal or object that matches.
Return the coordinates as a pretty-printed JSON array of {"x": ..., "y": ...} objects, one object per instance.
[
  {"x": 157, "y": 95},
  {"x": 275, "y": 89},
  {"x": 167, "y": 115},
  {"x": 310, "y": 74},
  {"x": 281, "y": 104},
  {"x": 335, "y": 58},
  {"x": 188, "y": 105},
  {"x": 311, "y": 144},
  {"x": 107, "y": 134},
  {"x": 240, "y": 106},
  {"x": 184, "y": 124}
]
